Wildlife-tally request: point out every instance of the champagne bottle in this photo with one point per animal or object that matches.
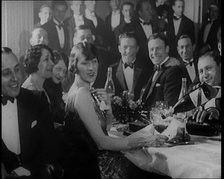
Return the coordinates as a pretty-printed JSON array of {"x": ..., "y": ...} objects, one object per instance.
[
  {"x": 198, "y": 96},
  {"x": 109, "y": 85}
]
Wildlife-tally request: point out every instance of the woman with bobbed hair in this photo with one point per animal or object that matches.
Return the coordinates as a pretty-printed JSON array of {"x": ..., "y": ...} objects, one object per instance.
[
  {"x": 89, "y": 124},
  {"x": 38, "y": 64},
  {"x": 53, "y": 86}
]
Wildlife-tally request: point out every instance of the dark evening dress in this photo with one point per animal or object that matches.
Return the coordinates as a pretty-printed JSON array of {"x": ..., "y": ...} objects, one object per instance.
[{"x": 96, "y": 163}]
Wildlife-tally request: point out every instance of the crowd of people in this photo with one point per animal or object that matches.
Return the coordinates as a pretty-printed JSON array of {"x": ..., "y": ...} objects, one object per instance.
[{"x": 52, "y": 122}]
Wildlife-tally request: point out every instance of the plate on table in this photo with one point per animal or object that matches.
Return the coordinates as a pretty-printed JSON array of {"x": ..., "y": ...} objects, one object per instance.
[{"x": 201, "y": 129}]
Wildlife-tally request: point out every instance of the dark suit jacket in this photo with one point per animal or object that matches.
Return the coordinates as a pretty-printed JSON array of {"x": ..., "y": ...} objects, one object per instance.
[
  {"x": 186, "y": 27},
  {"x": 139, "y": 80},
  {"x": 53, "y": 39},
  {"x": 166, "y": 86},
  {"x": 143, "y": 52},
  {"x": 110, "y": 33},
  {"x": 37, "y": 141},
  {"x": 185, "y": 72},
  {"x": 71, "y": 28}
]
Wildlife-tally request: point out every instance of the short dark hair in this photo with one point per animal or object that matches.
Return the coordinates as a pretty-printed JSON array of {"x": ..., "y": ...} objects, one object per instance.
[
  {"x": 185, "y": 36},
  {"x": 87, "y": 49},
  {"x": 43, "y": 6},
  {"x": 214, "y": 54},
  {"x": 6, "y": 50},
  {"x": 129, "y": 34},
  {"x": 160, "y": 36},
  {"x": 60, "y": 56},
  {"x": 139, "y": 4},
  {"x": 57, "y": 2},
  {"x": 127, "y": 3},
  {"x": 174, "y": 1},
  {"x": 32, "y": 57}
]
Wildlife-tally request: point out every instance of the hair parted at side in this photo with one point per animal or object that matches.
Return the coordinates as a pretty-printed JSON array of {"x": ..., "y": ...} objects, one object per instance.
[
  {"x": 59, "y": 2},
  {"x": 214, "y": 54},
  {"x": 32, "y": 57},
  {"x": 88, "y": 50},
  {"x": 129, "y": 34},
  {"x": 160, "y": 36},
  {"x": 6, "y": 50},
  {"x": 60, "y": 56}
]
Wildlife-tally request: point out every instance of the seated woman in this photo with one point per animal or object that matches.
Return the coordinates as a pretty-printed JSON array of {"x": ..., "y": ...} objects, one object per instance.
[
  {"x": 53, "y": 86},
  {"x": 88, "y": 125}
]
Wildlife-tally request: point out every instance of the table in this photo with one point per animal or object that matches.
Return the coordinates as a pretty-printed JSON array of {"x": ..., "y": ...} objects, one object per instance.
[{"x": 199, "y": 160}]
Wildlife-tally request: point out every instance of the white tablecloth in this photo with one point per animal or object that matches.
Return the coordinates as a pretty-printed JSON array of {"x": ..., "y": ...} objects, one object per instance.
[{"x": 199, "y": 160}]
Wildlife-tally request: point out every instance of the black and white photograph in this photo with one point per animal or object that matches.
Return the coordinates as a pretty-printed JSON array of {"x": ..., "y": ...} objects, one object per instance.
[{"x": 111, "y": 89}]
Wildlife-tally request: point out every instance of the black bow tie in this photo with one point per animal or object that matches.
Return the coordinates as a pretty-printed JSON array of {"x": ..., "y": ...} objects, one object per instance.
[
  {"x": 61, "y": 25},
  {"x": 6, "y": 98},
  {"x": 131, "y": 65},
  {"x": 176, "y": 17},
  {"x": 145, "y": 23},
  {"x": 157, "y": 68},
  {"x": 188, "y": 63}
]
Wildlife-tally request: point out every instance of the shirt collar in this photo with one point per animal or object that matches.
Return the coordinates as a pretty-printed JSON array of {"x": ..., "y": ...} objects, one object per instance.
[
  {"x": 164, "y": 61},
  {"x": 90, "y": 14},
  {"x": 78, "y": 17},
  {"x": 56, "y": 22},
  {"x": 117, "y": 12},
  {"x": 188, "y": 61}
]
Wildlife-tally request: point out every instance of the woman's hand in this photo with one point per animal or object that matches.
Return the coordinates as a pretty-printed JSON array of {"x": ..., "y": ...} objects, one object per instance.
[
  {"x": 102, "y": 95},
  {"x": 156, "y": 140}
]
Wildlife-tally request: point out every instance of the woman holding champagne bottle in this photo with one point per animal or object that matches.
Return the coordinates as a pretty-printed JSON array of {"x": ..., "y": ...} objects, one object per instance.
[{"x": 89, "y": 121}]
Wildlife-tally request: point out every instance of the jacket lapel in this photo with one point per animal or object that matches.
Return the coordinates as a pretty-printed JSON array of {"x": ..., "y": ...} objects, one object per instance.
[
  {"x": 181, "y": 27},
  {"x": 120, "y": 76},
  {"x": 137, "y": 72},
  {"x": 153, "y": 83}
]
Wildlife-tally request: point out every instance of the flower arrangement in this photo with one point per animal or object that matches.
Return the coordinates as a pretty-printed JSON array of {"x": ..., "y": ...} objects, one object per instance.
[{"x": 126, "y": 110}]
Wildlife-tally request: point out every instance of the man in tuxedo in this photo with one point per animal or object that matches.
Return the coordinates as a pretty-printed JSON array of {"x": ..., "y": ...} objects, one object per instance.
[
  {"x": 165, "y": 83},
  {"x": 77, "y": 19},
  {"x": 144, "y": 26},
  {"x": 28, "y": 144},
  {"x": 178, "y": 24},
  {"x": 128, "y": 74},
  {"x": 127, "y": 10},
  {"x": 188, "y": 61},
  {"x": 209, "y": 69},
  {"x": 100, "y": 28},
  {"x": 58, "y": 36}
]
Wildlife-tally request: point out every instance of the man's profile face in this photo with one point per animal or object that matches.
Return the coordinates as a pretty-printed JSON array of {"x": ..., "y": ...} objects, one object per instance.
[
  {"x": 59, "y": 12},
  {"x": 11, "y": 75},
  {"x": 45, "y": 14},
  {"x": 90, "y": 5},
  {"x": 76, "y": 7},
  {"x": 185, "y": 49},
  {"x": 83, "y": 35},
  {"x": 209, "y": 71},
  {"x": 158, "y": 51}
]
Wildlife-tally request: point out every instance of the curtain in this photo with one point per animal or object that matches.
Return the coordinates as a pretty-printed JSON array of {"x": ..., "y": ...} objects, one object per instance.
[{"x": 17, "y": 23}]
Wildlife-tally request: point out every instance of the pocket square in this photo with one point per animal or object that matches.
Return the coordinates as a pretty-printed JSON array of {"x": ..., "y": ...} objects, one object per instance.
[
  {"x": 33, "y": 123},
  {"x": 158, "y": 84}
]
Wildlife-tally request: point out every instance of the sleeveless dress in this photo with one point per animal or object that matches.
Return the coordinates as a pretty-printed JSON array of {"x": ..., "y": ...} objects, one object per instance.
[{"x": 107, "y": 164}]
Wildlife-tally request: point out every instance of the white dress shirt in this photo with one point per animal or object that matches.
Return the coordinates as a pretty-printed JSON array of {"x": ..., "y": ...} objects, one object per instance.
[
  {"x": 190, "y": 69},
  {"x": 61, "y": 34},
  {"x": 129, "y": 76},
  {"x": 176, "y": 24},
  {"x": 91, "y": 16},
  {"x": 115, "y": 19},
  {"x": 10, "y": 127},
  {"x": 78, "y": 20},
  {"x": 147, "y": 28}
]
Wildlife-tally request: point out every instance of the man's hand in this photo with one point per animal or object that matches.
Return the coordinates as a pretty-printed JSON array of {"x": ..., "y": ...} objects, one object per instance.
[{"x": 200, "y": 114}]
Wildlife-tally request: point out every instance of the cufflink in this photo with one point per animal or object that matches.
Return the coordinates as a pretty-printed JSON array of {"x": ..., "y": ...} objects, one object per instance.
[
  {"x": 158, "y": 84},
  {"x": 33, "y": 123}
]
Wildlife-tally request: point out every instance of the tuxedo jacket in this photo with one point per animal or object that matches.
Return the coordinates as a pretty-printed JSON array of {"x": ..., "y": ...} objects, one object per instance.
[
  {"x": 110, "y": 33},
  {"x": 143, "y": 53},
  {"x": 186, "y": 27},
  {"x": 37, "y": 138},
  {"x": 70, "y": 22},
  {"x": 165, "y": 87},
  {"x": 190, "y": 83},
  {"x": 139, "y": 79},
  {"x": 53, "y": 39}
]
